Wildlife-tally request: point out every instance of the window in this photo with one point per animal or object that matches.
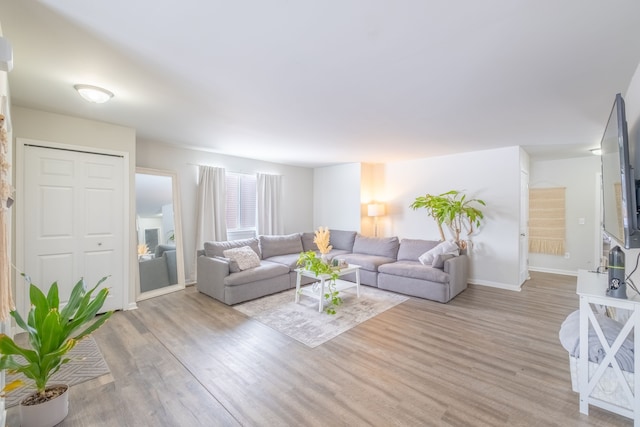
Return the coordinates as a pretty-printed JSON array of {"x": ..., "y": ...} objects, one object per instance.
[{"x": 241, "y": 202}]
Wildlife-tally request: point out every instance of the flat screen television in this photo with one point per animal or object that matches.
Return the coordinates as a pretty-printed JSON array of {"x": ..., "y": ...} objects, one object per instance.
[{"x": 619, "y": 189}]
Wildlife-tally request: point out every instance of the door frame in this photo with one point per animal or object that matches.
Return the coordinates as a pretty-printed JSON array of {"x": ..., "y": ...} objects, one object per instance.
[
  {"x": 523, "y": 229},
  {"x": 21, "y": 291}
]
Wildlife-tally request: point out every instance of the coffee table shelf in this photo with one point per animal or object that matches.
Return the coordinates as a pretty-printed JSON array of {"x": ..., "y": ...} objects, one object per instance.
[{"x": 317, "y": 289}]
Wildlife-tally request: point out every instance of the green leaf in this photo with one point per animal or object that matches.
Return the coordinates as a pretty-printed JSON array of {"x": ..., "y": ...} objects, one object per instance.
[
  {"x": 9, "y": 347},
  {"x": 52, "y": 332},
  {"x": 77, "y": 293},
  {"x": 39, "y": 304},
  {"x": 52, "y": 296},
  {"x": 99, "y": 322}
]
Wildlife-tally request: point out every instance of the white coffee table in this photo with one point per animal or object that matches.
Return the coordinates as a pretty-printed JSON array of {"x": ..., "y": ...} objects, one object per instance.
[{"x": 316, "y": 290}]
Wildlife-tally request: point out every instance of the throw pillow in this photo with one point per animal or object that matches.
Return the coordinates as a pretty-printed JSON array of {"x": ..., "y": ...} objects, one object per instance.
[
  {"x": 233, "y": 266},
  {"x": 442, "y": 248},
  {"x": 438, "y": 261},
  {"x": 244, "y": 256}
]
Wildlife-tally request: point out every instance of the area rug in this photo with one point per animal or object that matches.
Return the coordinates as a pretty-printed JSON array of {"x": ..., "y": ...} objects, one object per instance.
[
  {"x": 305, "y": 324},
  {"x": 86, "y": 363}
]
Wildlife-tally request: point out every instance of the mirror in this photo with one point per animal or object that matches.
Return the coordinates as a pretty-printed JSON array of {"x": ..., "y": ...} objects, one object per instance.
[{"x": 158, "y": 227}]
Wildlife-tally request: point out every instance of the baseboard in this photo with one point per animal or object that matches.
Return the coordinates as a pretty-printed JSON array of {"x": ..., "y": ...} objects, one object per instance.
[
  {"x": 498, "y": 285},
  {"x": 554, "y": 271},
  {"x": 132, "y": 306}
]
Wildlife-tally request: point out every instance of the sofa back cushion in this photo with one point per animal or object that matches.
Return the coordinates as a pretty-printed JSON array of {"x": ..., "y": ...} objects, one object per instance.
[
  {"x": 341, "y": 239},
  {"x": 307, "y": 242},
  {"x": 411, "y": 249},
  {"x": 280, "y": 245},
  {"x": 214, "y": 249},
  {"x": 380, "y": 246}
]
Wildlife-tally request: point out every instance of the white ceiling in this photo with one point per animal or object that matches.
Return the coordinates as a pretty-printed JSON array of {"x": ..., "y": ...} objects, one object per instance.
[{"x": 331, "y": 81}]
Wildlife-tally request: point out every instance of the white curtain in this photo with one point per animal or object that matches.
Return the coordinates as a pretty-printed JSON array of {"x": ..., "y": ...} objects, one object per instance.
[
  {"x": 212, "y": 207},
  {"x": 269, "y": 195}
]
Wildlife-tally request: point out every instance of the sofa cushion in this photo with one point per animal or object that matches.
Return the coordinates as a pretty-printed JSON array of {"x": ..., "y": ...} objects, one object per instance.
[
  {"x": 438, "y": 261},
  {"x": 244, "y": 256},
  {"x": 341, "y": 239},
  {"x": 307, "y": 242},
  {"x": 266, "y": 270},
  {"x": 415, "y": 270},
  {"x": 367, "y": 262},
  {"x": 214, "y": 249},
  {"x": 271, "y": 246},
  {"x": 380, "y": 246},
  {"x": 290, "y": 260},
  {"x": 411, "y": 249},
  {"x": 442, "y": 248}
]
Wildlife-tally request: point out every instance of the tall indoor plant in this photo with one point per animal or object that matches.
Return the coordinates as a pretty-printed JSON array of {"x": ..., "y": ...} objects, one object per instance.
[
  {"x": 52, "y": 332},
  {"x": 454, "y": 210}
]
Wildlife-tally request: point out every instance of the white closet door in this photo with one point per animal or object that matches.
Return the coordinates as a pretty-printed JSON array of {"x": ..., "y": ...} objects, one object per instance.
[{"x": 74, "y": 220}]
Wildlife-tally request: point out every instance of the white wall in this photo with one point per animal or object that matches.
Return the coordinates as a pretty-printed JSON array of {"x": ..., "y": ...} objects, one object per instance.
[
  {"x": 297, "y": 187},
  {"x": 580, "y": 178},
  {"x": 491, "y": 175},
  {"x": 45, "y": 126},
  {"x": 337, "y": 199}
]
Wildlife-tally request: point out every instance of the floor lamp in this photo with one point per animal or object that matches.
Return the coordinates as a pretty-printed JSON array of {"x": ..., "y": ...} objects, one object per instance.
[{"x": 375, "y": 210}]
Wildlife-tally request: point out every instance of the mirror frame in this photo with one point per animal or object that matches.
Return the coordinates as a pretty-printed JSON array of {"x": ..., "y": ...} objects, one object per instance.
[{"x": 177, "y": 219}]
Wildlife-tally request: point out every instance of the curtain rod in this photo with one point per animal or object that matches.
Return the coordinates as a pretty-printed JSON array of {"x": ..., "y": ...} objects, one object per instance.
[{"x": 244, "y": 173}]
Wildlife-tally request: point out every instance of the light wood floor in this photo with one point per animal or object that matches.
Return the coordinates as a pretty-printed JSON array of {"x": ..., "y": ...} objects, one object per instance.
[{"x": 490, "y": 357}]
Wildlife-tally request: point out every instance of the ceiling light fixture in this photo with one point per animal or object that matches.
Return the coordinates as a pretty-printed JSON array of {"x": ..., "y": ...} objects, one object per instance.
[
  {"x": 596, "y": 151},
  {"x": 94, "y": 94}
]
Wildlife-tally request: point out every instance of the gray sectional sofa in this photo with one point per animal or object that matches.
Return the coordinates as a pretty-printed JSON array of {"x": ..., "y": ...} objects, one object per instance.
[{"x": 386, "y": 262}]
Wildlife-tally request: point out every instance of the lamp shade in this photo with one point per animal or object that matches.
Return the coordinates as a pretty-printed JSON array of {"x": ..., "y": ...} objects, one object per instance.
[{"x": 375, "y": 209}]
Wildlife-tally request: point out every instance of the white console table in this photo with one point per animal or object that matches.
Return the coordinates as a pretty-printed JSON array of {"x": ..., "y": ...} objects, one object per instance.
[{"x": 592, "y": 291}]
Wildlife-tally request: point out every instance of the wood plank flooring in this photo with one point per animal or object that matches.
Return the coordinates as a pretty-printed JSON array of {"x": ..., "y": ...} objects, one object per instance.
[{"x": 490, "y": 357}]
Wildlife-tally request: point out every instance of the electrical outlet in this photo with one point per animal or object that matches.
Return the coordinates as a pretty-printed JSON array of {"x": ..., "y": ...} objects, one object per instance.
[{"x": 567, "y": 255}]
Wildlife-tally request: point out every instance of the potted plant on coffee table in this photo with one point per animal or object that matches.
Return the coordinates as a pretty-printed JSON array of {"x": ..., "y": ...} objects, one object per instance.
[
  {"x": 52, "y": 332},
  {"x": 320, "y": 265},
  {"x": 310, "y": 261}
]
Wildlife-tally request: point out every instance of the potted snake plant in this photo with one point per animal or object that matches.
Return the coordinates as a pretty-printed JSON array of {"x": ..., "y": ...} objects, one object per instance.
[{"x": 52, "y": 332}]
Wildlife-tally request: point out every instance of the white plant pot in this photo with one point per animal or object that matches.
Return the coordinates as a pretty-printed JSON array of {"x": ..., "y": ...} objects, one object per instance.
[{"x": 46, "y": 414}]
